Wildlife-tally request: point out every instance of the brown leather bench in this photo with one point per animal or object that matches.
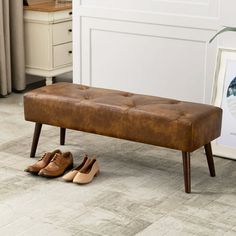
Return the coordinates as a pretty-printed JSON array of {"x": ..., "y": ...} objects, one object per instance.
[{"x": 153, "y": 120}]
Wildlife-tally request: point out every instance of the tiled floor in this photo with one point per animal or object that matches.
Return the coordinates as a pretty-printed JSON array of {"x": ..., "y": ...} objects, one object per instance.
[{"x": 139, "y": 191}]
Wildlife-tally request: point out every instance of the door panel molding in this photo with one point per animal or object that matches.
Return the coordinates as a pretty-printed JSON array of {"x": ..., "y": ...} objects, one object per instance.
[{"x": 94, "y": 21}]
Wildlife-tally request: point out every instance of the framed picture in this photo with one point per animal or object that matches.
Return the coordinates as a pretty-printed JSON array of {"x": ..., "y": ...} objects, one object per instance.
[{"x": 224, "y": 96}]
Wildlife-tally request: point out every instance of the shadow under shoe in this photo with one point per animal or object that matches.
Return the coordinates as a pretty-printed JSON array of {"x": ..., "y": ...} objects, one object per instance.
[
  {"x": 70, "y": 175},
  {"x": 58, "y": 165},
  {"x": 42, "y": 162},
  {"x": 87, "y": 173}
]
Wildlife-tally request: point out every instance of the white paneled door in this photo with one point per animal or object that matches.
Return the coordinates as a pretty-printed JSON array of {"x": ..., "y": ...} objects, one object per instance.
[{"x": 157, "y": 47}]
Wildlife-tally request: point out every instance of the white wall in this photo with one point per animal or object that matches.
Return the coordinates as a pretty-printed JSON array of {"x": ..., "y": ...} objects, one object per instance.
[
  {"x": 228, "y": 18},
  {"x": 228, "y": 12},
  {"x": 154, "y": 47}
]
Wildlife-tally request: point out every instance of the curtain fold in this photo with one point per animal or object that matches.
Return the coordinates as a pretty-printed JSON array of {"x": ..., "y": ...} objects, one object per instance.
[{"x": 12, "y": 57}]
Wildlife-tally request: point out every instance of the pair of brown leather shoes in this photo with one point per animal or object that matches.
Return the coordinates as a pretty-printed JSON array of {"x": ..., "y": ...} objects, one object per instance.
[
  {"x": 52, "y": 164},
  {"x": 84, "y": 173}
]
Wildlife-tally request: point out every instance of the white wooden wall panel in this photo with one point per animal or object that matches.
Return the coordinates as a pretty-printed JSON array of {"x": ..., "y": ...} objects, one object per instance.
[
  {"x": 125, "y": 49},
  {"x": 151, "y": 47}
]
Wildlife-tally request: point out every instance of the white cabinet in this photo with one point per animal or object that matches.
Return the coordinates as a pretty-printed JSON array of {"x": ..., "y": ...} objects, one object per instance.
[{"x": 48, "y": 40}]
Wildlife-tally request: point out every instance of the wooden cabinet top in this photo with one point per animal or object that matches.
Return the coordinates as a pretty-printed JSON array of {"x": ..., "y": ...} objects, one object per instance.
[{"x": 49, "y": 7}]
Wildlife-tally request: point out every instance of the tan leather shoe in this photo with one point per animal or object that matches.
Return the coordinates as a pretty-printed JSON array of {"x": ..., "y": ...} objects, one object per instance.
[
  {"x": 42, "y": 162},
  {"x": 58, "y": 165},
  {"x": 70, "y": 175},
  {"x": 87, "y": 173}
]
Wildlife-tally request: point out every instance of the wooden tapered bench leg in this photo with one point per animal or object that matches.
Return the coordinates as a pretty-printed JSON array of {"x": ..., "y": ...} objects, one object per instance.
[
  {"x": 37, "y": 131},
  {"x": 187, "y": 172},
  {"x": 62, "y": 136},
  {"x": 210, "y": 160}
]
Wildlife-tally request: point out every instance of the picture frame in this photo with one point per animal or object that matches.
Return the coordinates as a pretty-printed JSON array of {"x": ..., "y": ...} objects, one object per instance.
[{"x": 224, "y": 96}]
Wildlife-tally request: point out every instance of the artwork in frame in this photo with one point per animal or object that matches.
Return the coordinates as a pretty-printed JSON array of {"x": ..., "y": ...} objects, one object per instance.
[{"x": 224, "y": 96}]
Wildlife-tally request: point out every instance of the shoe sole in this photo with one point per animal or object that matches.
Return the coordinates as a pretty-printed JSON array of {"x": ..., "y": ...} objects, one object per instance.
[{"x": 31, "y": 172}]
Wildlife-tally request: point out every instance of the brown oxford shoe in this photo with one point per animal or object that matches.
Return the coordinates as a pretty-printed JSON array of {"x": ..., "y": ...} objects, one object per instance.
[
  {"x": 58, "y": 165},
  {"x": 42, "y": 162}
]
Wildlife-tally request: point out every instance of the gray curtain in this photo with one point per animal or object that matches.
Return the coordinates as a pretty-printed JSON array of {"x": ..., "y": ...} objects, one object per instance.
[{"x": 12, "y": 58}]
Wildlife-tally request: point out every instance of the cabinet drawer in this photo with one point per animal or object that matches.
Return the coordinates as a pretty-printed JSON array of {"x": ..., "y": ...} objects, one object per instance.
[
  {"x": 62, "y": 32},
  {"x": 62, "y": 15},
  {"x": 62, "y": 55}
]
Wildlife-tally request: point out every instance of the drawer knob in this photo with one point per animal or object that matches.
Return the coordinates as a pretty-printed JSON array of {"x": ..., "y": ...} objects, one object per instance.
[
  {"x": 70, "y": 52},
  {"x": 70, "y": 13},
  {"x": 70, "y": 30}
]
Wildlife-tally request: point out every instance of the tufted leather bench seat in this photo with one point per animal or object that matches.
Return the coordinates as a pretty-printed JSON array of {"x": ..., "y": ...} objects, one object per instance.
[{"x": 153, "y": 120}]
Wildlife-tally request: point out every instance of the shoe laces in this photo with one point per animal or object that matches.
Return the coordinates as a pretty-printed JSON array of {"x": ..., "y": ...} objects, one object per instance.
[
  {"x": 43, "y": 156},
  {"x": 56, "y": 156}
]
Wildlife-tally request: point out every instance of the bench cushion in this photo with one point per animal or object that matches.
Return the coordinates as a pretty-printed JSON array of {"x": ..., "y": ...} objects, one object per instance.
[{"x": 153, "y": 120}]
